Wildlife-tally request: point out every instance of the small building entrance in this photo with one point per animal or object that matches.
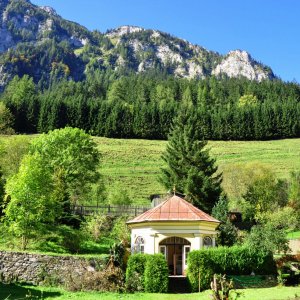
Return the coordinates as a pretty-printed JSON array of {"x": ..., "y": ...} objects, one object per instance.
[{"x": 175, "y": 249}]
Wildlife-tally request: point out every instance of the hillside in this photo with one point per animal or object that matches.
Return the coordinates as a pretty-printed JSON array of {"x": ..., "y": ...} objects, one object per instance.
[
  {"x": 37, "y": 41},
  {"x": 136, "y": 163}
]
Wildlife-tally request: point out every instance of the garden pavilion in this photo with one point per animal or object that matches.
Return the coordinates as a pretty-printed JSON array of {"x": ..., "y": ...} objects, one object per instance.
[{"x": 173, "y": 228}]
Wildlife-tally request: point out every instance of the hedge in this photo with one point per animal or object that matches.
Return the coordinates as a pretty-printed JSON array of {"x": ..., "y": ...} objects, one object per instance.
[
  {"x": 234, "y": 260},
  {"x": 148, "y": 273},
  {"x": 156, "y": 274},
  {"x": 135, "y": 272}
]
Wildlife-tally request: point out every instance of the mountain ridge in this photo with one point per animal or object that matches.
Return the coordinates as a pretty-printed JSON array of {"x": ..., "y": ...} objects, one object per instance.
[{"x": 27, "y": 31}]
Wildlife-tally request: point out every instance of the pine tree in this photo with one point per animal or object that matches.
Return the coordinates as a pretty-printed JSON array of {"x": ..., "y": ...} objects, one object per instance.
[{"x": 189, "y": 166}]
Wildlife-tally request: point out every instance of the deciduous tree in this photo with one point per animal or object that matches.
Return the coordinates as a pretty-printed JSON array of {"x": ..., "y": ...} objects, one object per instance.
[
  {"x": 72, "y": 153},
  {"x": 14, "y": 149},
  {"x": 58, "y": 169},
  {"x": 31, "y": 207}
]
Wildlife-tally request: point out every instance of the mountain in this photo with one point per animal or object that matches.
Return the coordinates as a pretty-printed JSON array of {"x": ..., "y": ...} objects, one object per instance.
[
  {"x": 37, "y": 41},
  {"x": 149, "y": 48},
  {"x": 23, "y": 22}
]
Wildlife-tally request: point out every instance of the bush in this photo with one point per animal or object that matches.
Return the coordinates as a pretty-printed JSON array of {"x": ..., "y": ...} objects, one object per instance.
[
  {"x": 96, "y": 226},
  {"x": 136, "y": 264},
  {"x": 148, "y": 273},
  {"x": 118, "y": 195},
  {"x": 156, "y": 274},
  {"x": 120, "y": 231},
  {"x": 223, "y": 260}
]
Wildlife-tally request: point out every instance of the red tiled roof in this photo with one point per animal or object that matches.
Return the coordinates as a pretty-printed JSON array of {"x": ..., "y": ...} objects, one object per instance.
[{"x": 173, "y": 209}]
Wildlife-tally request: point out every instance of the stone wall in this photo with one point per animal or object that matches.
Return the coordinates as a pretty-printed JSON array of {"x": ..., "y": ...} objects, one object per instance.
[{"x": 38, "y": 268}]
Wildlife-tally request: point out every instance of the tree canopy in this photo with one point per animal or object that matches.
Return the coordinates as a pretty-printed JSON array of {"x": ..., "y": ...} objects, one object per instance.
[
  {"x": 59, "y": 167},
  {"x": 143, "y": 105},
  {"x": 189, "y": 166},
  {"x": 73, "y": 154},
  {"x": 31, "y": 206}
]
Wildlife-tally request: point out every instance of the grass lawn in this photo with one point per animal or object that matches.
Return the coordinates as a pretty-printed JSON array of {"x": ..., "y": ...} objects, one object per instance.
[
  {"x": 293, "y": 235},
  {"x": 14, "y": 292}
]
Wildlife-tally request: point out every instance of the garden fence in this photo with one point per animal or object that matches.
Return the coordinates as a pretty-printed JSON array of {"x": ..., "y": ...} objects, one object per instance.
[{"x": 111, "y": 210}]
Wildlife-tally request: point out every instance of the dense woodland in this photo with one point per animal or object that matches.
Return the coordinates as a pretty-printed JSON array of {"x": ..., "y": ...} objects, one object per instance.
[{"x": 144, "y": 106}]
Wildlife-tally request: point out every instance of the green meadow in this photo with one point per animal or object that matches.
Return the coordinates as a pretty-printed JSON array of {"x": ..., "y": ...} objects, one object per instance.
[{"x": 136, "y": 163}]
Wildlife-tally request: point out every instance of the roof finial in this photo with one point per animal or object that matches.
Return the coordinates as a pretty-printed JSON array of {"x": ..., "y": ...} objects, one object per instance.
[{"x": 174, "y": 189}]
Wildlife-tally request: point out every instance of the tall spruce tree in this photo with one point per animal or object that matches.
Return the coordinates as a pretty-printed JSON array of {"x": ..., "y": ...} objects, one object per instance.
[{"x": 189, "y": 166}]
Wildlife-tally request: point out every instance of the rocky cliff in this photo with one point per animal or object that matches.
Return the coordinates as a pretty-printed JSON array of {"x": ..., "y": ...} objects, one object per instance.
[{"x": 37, "y": 41}]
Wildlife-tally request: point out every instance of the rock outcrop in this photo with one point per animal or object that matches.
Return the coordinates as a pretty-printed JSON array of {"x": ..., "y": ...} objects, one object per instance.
[
  {"x": 239, "y": 63},
  {"x": 25, "y": 28},
  {"x": 149, "y": 48}
]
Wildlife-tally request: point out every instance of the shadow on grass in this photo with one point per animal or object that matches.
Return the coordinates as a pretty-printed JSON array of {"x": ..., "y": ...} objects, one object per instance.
[
  {"x": 18, "y": 292},
  {"x": 102, "y": 247}
]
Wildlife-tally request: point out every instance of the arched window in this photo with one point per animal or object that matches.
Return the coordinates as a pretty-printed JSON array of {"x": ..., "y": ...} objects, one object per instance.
[
  {"x": 207, "y": 242},
  {"x": 139, "y": 245}
]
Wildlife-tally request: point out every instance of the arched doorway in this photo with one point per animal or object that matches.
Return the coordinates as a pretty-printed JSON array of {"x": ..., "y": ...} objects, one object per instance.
[{"x": 175, "y": 249}]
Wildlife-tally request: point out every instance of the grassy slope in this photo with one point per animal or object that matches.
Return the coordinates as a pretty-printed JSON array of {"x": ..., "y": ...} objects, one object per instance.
[
  {"x": 134, "y": 163},
  {"x": 20, "y": 292},
  {"x": 294, "y": 235},
  {"x": 137, "y": 163}
]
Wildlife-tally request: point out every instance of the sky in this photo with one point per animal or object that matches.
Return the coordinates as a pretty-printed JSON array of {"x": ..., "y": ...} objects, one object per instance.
[{"x": 268, "y": 29}]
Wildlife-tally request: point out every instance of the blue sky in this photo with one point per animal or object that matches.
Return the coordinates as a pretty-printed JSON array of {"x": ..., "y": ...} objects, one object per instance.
[{"x": 268, "y": 29}]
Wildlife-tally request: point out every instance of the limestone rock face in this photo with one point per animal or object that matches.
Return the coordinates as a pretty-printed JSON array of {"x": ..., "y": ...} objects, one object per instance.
[
  {"x": 239, "y": 63},
  {"x": 21, "y": 21},
  {"x": 51, "y": 11},
  {"x": 26, "y": 26},
  {"x": 164, "y": 53},
  {"x": 149, "y": 48},
  {"x": 123, "y": 30}
]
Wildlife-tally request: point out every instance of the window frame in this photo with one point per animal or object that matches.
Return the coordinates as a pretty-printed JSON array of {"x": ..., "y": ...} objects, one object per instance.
[
  {"x": 164, "y": 253},
  {"x": 185, "y": 255},
  {"x": 139, "y": 245},
  {"x": 207, "y": 245}
]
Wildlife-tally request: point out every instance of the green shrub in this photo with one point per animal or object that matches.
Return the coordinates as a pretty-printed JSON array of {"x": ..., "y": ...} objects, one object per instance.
[
  {"x": 96, "y": 226},
  {"x": 226, "y": 260},
  {"x": 148, "y": 273},
  {"x": 136, "y": 264},
  {"x": 120, "y": 231},
  {"x": 156, "y": 274}
]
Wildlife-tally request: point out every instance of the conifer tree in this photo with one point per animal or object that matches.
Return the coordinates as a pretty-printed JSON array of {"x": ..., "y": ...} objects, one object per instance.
[{"x": 189, "y": 166}]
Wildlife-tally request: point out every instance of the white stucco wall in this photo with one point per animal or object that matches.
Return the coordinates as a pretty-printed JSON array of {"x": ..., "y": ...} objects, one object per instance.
[
  {"x": 153, "y": 234},
  {"x": 147, "y": 235}
]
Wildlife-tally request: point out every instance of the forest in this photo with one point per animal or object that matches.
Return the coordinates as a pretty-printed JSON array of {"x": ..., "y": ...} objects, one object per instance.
[{"x": 144, "y": 106}]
